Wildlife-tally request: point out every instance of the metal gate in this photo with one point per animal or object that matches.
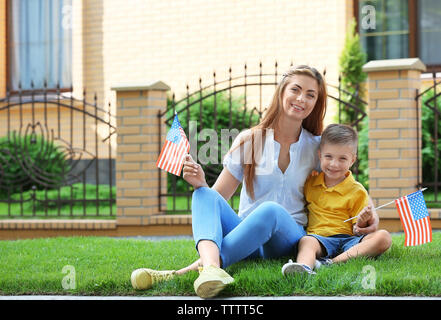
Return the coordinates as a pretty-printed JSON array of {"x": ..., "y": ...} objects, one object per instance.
[
  {"x": 236, "y": 103},
  {"x": 430, "y": 101},
  {"x": 56, "y": 156}
]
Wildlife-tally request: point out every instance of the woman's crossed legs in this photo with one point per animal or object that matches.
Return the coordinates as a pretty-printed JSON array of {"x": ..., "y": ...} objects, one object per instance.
[{"x": 268, "y": 232}]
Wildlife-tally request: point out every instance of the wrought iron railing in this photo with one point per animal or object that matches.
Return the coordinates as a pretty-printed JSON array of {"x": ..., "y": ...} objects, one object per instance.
[
  {"x": 237, "y": 102},
  {"x": 56, "y": 156},
  {"x": 430, "y": 131}
]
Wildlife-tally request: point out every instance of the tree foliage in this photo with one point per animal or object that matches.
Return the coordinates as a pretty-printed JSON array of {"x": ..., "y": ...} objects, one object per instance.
[{"x": 351, "y": 62}]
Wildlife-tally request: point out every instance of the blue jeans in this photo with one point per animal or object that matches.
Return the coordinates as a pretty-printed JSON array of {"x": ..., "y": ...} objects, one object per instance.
[
  {"x": 267, "y": 232},
  {"x": 337, "y": 243}
]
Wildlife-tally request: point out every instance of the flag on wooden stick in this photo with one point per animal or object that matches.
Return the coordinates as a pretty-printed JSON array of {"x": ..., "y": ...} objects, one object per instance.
[
  {"x": 414, "y": 219},
  {"x": 175, "y": 148}
]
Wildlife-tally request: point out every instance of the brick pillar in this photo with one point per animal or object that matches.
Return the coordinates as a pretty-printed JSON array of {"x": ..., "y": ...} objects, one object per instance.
[
  {"x": 138, "y": 128},
  {"x": 394, "y": 119}
]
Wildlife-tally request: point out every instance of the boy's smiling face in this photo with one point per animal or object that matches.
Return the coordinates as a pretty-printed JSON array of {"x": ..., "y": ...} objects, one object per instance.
[{"x": 335, "y": 161}]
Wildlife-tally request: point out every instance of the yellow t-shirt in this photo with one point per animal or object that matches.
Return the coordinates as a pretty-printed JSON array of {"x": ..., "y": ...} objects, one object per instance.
[{"x": 329, "y": 207}]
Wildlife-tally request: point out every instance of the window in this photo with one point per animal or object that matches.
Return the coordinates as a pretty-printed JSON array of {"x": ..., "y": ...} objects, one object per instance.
[
  {"x": 393, "y": 29},
  {"x": 429, "y": 31},
  {"x": 40, "y": 43},
  {"x": 386, "y": 34}
]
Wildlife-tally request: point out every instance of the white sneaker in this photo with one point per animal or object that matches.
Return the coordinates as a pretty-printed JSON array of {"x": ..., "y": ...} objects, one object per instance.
[{"x": 294, "y": 267}]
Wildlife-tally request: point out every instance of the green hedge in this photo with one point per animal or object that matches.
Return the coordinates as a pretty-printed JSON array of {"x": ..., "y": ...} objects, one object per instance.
[
  {"x": 429, "y": 142},
  {"x": 30, "y": 161}
]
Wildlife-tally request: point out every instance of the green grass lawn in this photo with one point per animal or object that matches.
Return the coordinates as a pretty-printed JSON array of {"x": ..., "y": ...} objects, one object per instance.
[
  {"x": 103, "y": 267},
  {"x": 67, "y": 202}
]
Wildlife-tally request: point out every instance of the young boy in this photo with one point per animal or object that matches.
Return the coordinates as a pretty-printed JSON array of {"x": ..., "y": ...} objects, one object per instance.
[{"x": 333, "y": 196}]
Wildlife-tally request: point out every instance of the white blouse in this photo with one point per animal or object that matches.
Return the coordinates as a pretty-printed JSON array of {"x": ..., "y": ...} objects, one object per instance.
[{"x": 270, "y": 184}]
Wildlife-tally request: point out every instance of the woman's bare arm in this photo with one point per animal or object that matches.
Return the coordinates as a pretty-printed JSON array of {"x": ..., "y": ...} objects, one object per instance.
[{"x": 226, "y": 184}]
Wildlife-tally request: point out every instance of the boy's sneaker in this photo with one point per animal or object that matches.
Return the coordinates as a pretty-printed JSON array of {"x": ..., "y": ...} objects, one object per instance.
[
  {"x": 145, "y": 278},
  {"x": 211, "y": 281},
  {"x": 322, "y": 262},
  {"x": 294, "y": 267}
]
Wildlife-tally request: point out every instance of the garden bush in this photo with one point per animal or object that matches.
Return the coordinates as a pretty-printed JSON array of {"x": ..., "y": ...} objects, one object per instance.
[
  {"x": 28, "y": 162},
  {"x": 431, "y": 145},
  {"x": 352, "y": 60}
]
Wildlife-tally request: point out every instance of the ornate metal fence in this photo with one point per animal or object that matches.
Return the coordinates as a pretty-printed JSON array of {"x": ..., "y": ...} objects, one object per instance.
[
  {"x": 56, "y": 156},
  {"x": 430, "y": 101},
  {"x": 236, "y": 103}
]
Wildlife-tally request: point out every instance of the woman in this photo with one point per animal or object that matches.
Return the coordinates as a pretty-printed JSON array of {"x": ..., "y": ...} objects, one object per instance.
[{"x": 272, "y": 160}]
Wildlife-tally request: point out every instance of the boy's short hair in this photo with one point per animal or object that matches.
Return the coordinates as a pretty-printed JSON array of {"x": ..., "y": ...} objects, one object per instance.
[{"x": 340, "y": 134}]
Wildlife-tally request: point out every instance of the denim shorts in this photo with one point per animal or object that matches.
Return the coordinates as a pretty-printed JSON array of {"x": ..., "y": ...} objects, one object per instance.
[{"x": 336, "y": 244}]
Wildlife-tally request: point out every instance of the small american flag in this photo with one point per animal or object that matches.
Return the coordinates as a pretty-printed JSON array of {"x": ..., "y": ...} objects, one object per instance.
[
  {"x": 414, "y": 219},
  {"x": 175, "y": 148}
]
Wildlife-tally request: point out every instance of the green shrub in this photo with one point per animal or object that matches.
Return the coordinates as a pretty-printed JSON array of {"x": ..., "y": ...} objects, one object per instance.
[
  {"x": 30, "y": 161},
  {"x": 351, "y": 62},
  {"x": 363, "y": 148},
  {"x": 431, "y": 146}
]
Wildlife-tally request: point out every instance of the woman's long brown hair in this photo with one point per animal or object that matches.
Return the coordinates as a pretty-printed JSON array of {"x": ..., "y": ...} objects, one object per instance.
[{"x": 313, "y": 123}]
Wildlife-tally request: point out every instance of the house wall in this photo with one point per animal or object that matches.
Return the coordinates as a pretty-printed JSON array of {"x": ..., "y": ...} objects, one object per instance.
[
  {"x": 177, "y": 42},
  {"x": 140, "y": 41}
]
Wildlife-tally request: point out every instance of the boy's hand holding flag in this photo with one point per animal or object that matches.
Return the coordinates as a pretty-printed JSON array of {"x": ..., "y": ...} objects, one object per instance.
[
  {"x": 175, "y": 148},
  {"x": 414, "y": 218}
]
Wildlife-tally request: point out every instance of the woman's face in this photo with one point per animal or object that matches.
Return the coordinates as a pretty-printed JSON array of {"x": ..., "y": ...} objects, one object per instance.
[{"x": 300, "y": 96}]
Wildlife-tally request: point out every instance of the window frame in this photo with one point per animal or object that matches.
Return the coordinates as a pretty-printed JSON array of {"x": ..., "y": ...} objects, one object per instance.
[
  {"x": 413, "y": 31},
  {"x": 8, "y": 78}
]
